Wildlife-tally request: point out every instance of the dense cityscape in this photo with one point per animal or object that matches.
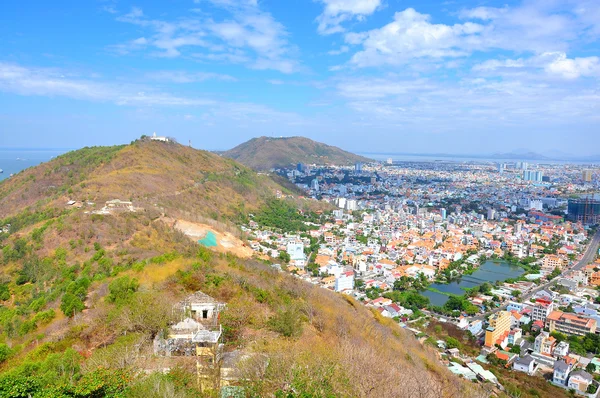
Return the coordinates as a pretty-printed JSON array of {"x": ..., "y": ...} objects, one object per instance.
[{"x": 495, "y": 265}]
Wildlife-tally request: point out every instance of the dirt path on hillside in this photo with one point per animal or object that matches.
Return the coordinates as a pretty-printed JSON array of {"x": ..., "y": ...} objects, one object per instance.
[{"x": 226, "y": 242}]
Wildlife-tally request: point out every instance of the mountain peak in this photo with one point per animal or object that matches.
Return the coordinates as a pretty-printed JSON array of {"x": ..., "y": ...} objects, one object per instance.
[{"x": 263, "y": 153}]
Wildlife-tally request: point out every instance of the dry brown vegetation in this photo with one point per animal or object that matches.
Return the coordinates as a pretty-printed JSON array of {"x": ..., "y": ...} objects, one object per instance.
[
  {"x": 318, "y": 343},
  {"x": 162, "y": 177}
]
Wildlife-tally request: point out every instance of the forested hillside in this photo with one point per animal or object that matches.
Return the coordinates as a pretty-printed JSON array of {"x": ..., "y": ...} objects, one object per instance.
[{"x": 264, "y": 153}]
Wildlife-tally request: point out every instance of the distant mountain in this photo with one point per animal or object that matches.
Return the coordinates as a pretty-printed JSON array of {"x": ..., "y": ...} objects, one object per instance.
[
  {"x": 264, "y": 153},
  {"x": 520, "y": 155}
]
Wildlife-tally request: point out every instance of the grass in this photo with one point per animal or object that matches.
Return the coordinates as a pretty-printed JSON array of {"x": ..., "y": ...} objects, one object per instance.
[
  {"x": 433, "y": 289},
  {"x": 155, "y": 273}
]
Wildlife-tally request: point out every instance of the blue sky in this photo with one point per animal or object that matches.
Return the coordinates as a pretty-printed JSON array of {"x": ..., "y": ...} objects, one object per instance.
[{"x": 367, "y": 75}]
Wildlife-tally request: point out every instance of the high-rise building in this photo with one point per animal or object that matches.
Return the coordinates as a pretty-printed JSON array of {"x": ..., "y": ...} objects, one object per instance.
[
  {"x": 499, "y": 325},
  {"x": 351, "y": 205},
  {"x": 501, "y": 167},
  {"x": 443, "y": 213},
  {"x": 314, "y": 185},
  {"x": 491, "y": 214},
  {"x": 586, "y": 175},
  {"x": 586, "y": 210},
  {"x": 533, "y": 175},
  {"x": 390, "y": 161},
  {"x": 358, "y": 167}
]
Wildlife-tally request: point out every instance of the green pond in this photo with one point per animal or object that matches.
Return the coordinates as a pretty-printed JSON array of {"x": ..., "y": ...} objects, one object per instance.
[
  {"x": 490, "y": 271},
  {"x": 210, "y": 240}
]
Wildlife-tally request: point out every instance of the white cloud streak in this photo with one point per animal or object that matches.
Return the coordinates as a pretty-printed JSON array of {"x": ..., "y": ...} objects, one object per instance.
[
  {"x": 47, "y": 82},
  {"x": 553, "y": 64},
  {"x": 187, "y": 77},
  {"x": 338, "y": 11},
  {"x": 251, "y": 36}
]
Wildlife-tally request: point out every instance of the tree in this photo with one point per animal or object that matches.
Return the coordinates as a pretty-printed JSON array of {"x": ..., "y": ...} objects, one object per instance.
[
  {"x": 515, "y": 349},
  {"x": 451, "y": 342},
  {"x": 5, "y": 352},
  {"x": 403, "y": 283},
  {"x": 554, "y": 273},
  {"x": 359, "y": 283},
  {"x": 4, "y": 292},
  {"x": 590, "y": 368},
  {"x": 284, "y": 256},
  {"x": 71, "y": 304},
  {"x": 454, "y": 303},
  {"x": 373, "y": 292},
  {"x": 121, "y": 289}
]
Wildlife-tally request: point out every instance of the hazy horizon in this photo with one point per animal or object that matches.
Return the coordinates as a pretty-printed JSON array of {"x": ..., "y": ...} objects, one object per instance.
[
  {"x": 364, "y": 75},
  {"x": 382, "y": 155}
]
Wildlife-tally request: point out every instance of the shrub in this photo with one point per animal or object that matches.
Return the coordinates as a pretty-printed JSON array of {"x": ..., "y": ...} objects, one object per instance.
[
  {"x": 451, "y": 342},
  {"x": 5, "y": 352},
  {"x": 71, "y": 304},
  {"x": 287, "y": 322},
  {"x": 4, "y": 292},
  {"x": 121, "y": 289}
]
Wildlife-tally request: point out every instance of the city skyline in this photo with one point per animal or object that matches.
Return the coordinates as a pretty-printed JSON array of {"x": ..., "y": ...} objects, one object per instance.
[{"x": 366, "y": 75}]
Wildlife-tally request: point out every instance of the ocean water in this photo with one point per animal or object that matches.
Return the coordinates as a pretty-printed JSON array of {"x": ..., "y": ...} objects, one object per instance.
[
  {"x": 403, "y": 157},
  {"x": 13, "y": 161}
]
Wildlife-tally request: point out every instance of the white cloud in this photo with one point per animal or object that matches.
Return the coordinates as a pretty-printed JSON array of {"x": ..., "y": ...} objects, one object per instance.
[
  {"x": 47, "y": 82},
  {"x": 342, "y": 50},
  {"x": 495, "y": 64},
  {"x": 187, "y": 77},
  {"x": 472, "y": 105},
  {"x": 554, "y": 64},
  {"x": 250, "y": 36},
  {"x": 533, "y": 26},
  {"x": 375, "y": 88},
  {"x": 338, "y": 11},
  {"x": 412, "y": 35},
  {"x": 573, "y": 68}
]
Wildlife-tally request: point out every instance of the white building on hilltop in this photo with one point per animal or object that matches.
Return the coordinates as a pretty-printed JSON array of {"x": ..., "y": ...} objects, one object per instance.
[{"x": 159, "y": 138}]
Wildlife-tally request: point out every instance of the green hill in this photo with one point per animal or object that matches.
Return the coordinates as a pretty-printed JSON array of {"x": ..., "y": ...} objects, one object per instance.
[
  {"x": 85, "y": 288},
  {"x": 264, "y": 153}
]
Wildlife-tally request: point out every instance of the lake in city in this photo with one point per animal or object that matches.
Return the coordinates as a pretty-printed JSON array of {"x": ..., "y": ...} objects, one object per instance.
[{"x": 490, "y": 271}]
